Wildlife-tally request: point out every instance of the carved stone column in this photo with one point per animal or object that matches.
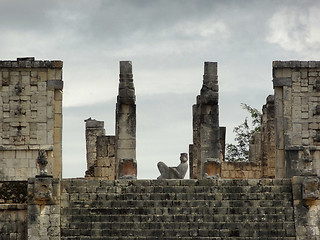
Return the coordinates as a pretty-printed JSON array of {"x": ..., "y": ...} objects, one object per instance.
[
  {"x": 126, "y": 124},
  {"x": 206, "y": 140}
]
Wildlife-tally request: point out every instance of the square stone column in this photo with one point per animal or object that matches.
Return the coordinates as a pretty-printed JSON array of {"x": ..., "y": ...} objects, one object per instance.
[
  {"x": 126, "y": 124},
  {"x": 206, "y": 155}
]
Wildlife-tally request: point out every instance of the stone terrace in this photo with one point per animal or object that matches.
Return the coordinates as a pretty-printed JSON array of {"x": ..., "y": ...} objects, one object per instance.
[{"x": 177, "y": 209}]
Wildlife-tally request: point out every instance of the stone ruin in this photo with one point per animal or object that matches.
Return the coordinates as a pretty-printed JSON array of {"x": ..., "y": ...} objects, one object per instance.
[
  {"x": 114, "y": 157},
  {"x": 273, "y": 195}
]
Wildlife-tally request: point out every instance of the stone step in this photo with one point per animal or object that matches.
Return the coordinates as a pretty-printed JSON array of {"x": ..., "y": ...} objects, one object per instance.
[
  {"x": 187, "y": 186},
  {"x": 182, "y": 218},
  {"x": 179, "y": 189},
  {"x": 280, "y": 233},
  {"x": 254, "y": 226},
  {"x": 254, "y": 204},
  {"x": 182, "y": 196},
  {"x": 179, "y": 210}
]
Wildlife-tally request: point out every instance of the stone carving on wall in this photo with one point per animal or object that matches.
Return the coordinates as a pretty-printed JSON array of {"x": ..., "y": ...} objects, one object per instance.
[
  {"x": 174, "y": 172},
  {"x": 42, "y": 161}
]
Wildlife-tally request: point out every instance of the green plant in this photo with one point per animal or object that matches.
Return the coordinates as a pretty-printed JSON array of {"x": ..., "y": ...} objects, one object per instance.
[{"x": 243, "y": 134}]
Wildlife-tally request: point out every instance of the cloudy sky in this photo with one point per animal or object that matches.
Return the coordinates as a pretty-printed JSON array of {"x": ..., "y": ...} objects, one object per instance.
[{"x": 168, "y": 41}]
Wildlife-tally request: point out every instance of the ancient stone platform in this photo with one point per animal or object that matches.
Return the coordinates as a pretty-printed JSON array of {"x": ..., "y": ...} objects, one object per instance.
[{"x": 177, "y": 209}]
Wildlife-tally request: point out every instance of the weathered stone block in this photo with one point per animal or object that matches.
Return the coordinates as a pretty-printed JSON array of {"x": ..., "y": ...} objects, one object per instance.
[{"x": 310, "y": 188}]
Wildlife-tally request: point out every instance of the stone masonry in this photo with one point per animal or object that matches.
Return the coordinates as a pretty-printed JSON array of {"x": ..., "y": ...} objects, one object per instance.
[
  {"x": 205, "y": 154},
  {"x": 101, "y": 162},
  {"x": 177, "y": 209},
  {"x": 296, "y": 86},
  {"x": 30, "y": 117}
]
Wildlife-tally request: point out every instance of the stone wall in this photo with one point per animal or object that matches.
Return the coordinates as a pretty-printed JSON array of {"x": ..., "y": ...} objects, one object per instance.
[
  {"x": 241, "y": 170},
  {"x": 101, "y": 162},
  {"x": 13, "y": 210},
  {"x": 30, "y": 117},
  {"x": 297, "y": 117},
  {"x": 177, "y": 209}
]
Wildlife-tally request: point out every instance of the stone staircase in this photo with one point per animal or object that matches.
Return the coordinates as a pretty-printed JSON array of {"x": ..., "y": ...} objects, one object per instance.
[{"x": 177, "y": 209}]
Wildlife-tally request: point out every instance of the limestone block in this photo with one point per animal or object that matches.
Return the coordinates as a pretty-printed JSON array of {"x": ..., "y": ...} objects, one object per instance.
[
  {"x": 33, "y": 90},
  {"x": 58, "y": 74},
  {"x": 57, "y": 135},
  {"x": 126, "y": 143},
  {"x": 126, "y": 153},
  {"x": 304, "y": 108},
  {"x": 310, "y": 188},
  {"x": 50, "y": 138},
  {"x": 6, "y": 90},
  {"x": 34, "y": 98},
  {"x": 50, "y": 112},
  {"x": 51, "y": 74},
  {"x": 42, "y": 76},
  {"x": 42, "y": 136},
  {"x": 5, "y": 97},
  {"x": 42, "y": 101},
  {"x": 305, "y": 141},
  {"x": 282, "y": 73},
  {"x": 58, "y": 95},
  {"x": 54, "y": 84},
  {"x": 312, "y": 74},
  {"x": 32, "y": 164},
  {"x": 58, "y": 120},
  {"x": 50, "y": 98},
  {"x": 287, "y": 108},
  {"x": 304, "y": 115},
  {"x": 304, "y": 74},
  {"x": 58, "y": 107},
  {"x": 42, "y": 86}
]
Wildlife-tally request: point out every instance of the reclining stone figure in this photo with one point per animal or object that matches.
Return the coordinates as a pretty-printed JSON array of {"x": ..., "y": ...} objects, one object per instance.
[{"x": 174, "y": 172}]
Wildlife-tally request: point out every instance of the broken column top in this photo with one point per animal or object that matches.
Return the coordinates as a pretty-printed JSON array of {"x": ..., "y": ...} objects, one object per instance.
[
  {"x": 126, "y": 87},
  {"x": 92, "y": 123},
  {"x": 125, "y": 67},
  {"x": 209, "y": 91},
  {"x": 210, "y": 68}
]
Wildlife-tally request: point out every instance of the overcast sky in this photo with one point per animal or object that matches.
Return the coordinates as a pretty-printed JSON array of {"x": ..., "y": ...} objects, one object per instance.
[{"x": 168, "y": 42}]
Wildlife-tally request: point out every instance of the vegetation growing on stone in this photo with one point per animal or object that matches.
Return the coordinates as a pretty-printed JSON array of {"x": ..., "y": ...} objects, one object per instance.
[{"x": 240, "y": 150}]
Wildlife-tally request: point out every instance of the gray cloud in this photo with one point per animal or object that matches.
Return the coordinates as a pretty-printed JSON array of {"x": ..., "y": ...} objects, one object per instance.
[{"x": 168, "y": 41}]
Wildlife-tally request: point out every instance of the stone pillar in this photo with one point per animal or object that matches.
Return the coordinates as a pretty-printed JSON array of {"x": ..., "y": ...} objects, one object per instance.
[
  {"x": 94, "y": 129},
  {"x": 30, "y": 117},
  {"x": 223, "y": 142},
  {"x": 206, "y": 131},
  {"x": 126, "y": 124},
  {"x": 255, "y": 153},
  {"x": 43, "y": 208},
  {"x": 268, "y": 139}
]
